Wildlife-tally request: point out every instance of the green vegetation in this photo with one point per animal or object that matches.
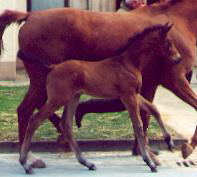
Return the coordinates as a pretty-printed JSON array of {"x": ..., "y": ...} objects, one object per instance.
[{"x": 94, "y": 126}]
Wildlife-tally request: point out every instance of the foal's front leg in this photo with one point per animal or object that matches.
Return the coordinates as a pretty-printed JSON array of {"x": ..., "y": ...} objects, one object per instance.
[
  {"x": 132, "y": 104},
  {"x": 67, "y": 119}
]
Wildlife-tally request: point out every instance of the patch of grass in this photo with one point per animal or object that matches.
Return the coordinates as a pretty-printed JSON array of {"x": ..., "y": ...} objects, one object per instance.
[{"x": 94, "y": 126}]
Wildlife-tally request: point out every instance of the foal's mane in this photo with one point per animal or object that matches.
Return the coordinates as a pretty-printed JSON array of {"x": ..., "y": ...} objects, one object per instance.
[{"x": 139, "y": 35}]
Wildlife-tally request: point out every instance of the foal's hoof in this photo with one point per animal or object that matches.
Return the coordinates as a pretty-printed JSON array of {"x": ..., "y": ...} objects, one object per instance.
[
  {"x": 29, "y": 170},
  {"x": 92, "y": 167},
  {"x": 187, "y": 150},
  {"x": 154, "y": 169},
  {"x": 38, "y": 164}
]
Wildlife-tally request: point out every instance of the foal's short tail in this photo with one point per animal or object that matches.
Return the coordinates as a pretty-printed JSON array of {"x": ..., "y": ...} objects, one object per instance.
[{"x": 8, "y": 17}]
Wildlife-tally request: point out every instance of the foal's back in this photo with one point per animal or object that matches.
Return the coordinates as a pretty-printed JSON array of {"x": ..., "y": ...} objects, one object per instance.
[{"x": 106, "y": 78}]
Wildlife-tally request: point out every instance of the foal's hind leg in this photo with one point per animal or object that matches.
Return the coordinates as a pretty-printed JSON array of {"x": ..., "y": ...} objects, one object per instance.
[
  {"x": 34, "y": 99},
  {"x": 67, "y": 119},
  {"x": 148, "y": 106},
  {"x": 25, "y": 110},
  {"x": 35, "y": 121}
]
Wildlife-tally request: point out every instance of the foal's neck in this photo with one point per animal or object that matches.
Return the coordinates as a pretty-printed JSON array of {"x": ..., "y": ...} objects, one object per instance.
[{"x": 138, "y": 57}]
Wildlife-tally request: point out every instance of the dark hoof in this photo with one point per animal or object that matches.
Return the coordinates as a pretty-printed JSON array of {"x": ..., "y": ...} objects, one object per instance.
[
  {"x": 38, "y": 164},
  {"x": 78, "y": 124},
  {"x": 92, "y": 167},
  {"x": 78, "y": 118},
  {"x": 29, "y": 170},
  {"x": 154, "y": 169}
]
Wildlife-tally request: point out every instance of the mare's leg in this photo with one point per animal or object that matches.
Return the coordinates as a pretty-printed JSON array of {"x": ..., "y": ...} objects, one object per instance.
[
  {"x": 148, "y": 106},
  {"x": 181, "y": 88},
  {"x": 188, "y": 148},
  {"x": 35, "y": 121},
  {"x": 67, "y": 119},
  {"x": 97, "y": 106},
  {"x": 132, "y": 104}
]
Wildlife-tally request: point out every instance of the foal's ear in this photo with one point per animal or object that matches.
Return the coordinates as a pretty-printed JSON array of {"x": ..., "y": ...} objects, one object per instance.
[{"x": 166, "y": 28}]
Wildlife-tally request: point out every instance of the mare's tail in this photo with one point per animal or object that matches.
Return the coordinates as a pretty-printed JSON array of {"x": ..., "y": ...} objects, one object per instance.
[{"x": 8, "y": 17}]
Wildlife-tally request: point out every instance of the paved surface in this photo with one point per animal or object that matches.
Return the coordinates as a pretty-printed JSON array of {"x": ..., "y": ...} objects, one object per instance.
[{"x": 114, "y": 164}]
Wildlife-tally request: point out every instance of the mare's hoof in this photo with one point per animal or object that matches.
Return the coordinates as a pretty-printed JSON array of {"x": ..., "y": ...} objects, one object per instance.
[
  {"x": 38, "y": 164},
  {"x": 186, "y": 149},
  {"x": 92, "y": 167}
]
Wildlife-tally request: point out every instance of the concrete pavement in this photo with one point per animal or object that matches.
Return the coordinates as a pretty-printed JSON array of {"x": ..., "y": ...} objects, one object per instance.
[{"x": 116, "y": 164}]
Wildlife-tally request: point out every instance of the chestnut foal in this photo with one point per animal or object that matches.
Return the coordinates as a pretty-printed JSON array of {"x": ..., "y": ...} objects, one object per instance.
[{"x": 117, "y": 77}]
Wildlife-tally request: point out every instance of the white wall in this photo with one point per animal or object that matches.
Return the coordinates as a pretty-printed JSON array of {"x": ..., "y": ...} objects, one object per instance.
[
  {"x": 102, "y": 5},
  {"x": 10, "y": 37},
  {"x": 82, "y": 4},
  {"x": 94, "y": 5},
  {"x": 10, "y": 40}
]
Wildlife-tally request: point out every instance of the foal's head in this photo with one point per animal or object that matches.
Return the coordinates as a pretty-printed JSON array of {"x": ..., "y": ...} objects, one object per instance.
[
  {"x": 159, "y": 45},
  {"x": 152, "y": 43}
]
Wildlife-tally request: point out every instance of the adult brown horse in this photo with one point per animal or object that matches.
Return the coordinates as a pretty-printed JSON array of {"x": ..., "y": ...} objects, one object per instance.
[{"x": 55, "y": 35}]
